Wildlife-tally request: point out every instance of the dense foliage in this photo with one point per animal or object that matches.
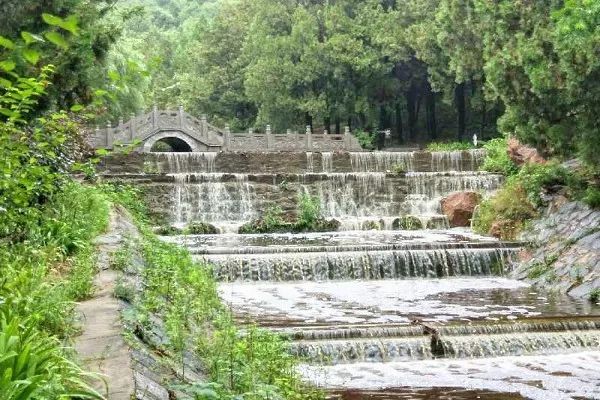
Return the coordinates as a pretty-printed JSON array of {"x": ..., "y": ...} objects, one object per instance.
[
  {"x": 47, "y": 221},
  {"x": 424, "y": 69}
]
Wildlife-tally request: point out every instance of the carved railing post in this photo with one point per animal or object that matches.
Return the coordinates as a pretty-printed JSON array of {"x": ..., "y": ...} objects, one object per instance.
[
  {"x": 346, "y": 137},
  {"x": 227, "y": 138},
  {"x": 181, "y": 117},
  {"x": 109, "y": 136},
  {"x": 155, "y": 117},
  {"x": 132, "y": 128},
  {"x": 269, "y": 137},
  {"x": 309, "y": 142},
  {"x": 204, "y": 121}
]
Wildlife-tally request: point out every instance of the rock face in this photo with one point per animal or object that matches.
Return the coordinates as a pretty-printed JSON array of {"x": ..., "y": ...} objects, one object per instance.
[
  {"x": 459, "y": 207},
  {"x": 566, "y": 252},
  {"x": 521, "y": 154}
]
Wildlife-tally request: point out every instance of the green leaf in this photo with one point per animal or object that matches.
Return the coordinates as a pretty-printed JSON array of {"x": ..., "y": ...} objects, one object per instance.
[
  {"x": 52, "y": 19},
  {"x": 57, "y": 39},
  {"x": 100, "y": 92},
  {"x": 31, "y": 38},
  {"x": 114, "y": 75},
  {"x": 71, "y": 24},
  {"x": 77, "y": 108},
  {"x": 5, "y": 83},
  {"x": 32, "y": 56},
  {"x": 6, "y": 43},
  {"x": 7, "y": 65}
]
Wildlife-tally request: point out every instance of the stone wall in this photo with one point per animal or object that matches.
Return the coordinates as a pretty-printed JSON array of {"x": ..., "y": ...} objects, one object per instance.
[
  {"x": 565, "y": 249},
  {"x": 288, "y": 162},
  {"x": 267, "y": 190}
]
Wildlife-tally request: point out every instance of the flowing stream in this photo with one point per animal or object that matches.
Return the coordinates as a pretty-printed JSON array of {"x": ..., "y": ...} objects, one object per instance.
[{"x": 375, "y": 311}]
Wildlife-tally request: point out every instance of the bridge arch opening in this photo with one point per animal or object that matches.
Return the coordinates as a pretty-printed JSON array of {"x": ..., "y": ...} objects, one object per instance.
[{"x": 171, "y": 145}]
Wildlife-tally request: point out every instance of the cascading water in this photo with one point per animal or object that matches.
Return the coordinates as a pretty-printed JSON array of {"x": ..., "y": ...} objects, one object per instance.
[
  {"x": 208, "y": 197},
  {"x": 327, "y": 161},
  {"x": 382, "y": 306},
  {"x": 179, "y": 163}
]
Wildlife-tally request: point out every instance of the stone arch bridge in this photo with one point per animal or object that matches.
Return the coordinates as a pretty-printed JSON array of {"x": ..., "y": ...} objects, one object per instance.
[{"x": 186, "y": 133}]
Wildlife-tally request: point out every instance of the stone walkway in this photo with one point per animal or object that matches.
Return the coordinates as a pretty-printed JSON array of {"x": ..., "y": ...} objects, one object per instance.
[{"x": 101, "y": 346}]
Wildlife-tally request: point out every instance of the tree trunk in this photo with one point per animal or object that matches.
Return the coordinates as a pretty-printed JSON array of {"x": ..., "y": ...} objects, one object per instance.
[
  {"x": 430, "y": 111},
  {"x": 399, "y": 134},
  {"x": 411, "y": 107},
  {"x": 459, "y": 96},
  {"x": 483, "y": 118},
  {"x": 338, "y": 129},
  {"x": 327, "y": 123}
]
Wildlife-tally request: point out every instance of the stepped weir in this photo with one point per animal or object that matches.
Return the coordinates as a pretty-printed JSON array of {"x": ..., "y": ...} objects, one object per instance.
[{"x": 376, "y": 308}]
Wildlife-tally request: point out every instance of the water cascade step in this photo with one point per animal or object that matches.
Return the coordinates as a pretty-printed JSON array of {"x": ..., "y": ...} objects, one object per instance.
[
  {"x": 421, "y": 348},
  {"x": 391, "y": 295}
]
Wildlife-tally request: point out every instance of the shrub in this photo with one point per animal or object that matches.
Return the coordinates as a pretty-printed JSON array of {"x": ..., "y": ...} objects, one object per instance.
[
  {"x": 273, "y": 217},
  {"x": 309, "y": 211},
  {"x": 407, "y": 222},
  {"x": 592, "y": 197},
  {"x": 366, "y": 139},
  {"x": 504, "y": 214},
  {"x": 168, "y": 230},
  {"x": 536, "y": 178},
  {"x": 399, "y": 169},
  {"x": 497, "y": 159},
  {"x": 449, "y": 146},
  {"x": 595, "y": 295},
  {"x": 200, "y": 228},
  {"x": 271, "y": 221}
]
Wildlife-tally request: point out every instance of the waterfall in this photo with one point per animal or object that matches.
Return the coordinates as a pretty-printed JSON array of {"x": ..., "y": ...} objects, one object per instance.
[
  {"x": 411, "y": 348},
  {"x": 310, "y": 165},
  {"x": 208, "y": 197},
  {"x": 368, "y": 265},
  {"x": 381, "y": 161},
  {"x": 177, "y": 163},
  {"x": 394, "y": 286},
  {"x": 327, "y": 161}
]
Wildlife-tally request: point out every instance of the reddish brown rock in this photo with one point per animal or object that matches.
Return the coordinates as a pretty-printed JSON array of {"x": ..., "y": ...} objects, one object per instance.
[
  {"x": 459, "y": 207},
  {"x": 521, "y": 154}
]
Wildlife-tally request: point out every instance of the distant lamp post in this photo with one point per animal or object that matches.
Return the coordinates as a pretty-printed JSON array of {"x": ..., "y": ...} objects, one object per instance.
[{"x": 475, "y": 140}]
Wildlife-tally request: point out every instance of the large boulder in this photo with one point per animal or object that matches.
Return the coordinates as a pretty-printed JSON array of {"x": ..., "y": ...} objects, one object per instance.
[
  {"x": 459, "y": 207},
  {"x": 521, "y": 154}
]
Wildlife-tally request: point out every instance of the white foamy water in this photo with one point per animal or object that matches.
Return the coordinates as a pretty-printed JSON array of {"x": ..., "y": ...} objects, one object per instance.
[
  {"x": 385, "y": 301},
  {"x": 554, "y": 377}
]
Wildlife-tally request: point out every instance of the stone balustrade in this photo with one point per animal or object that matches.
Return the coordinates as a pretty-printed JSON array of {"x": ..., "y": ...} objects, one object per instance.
[{"x": 189, "y": 133}]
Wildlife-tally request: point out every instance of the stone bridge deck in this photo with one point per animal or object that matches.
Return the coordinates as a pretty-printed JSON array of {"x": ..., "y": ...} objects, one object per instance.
[{"x": 186, "y": 133}]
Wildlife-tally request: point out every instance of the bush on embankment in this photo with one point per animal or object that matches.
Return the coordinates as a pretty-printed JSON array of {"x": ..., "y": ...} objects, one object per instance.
[
  {"x": 527, "y": 190},
  {"x": 247, "y": 363}
]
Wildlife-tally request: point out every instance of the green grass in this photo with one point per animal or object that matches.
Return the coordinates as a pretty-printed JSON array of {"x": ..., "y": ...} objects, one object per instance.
[
  {"x": 252, "y": 363},
  {"x": 449, "y": 146},
  {"x": 43, "y": 275}
]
